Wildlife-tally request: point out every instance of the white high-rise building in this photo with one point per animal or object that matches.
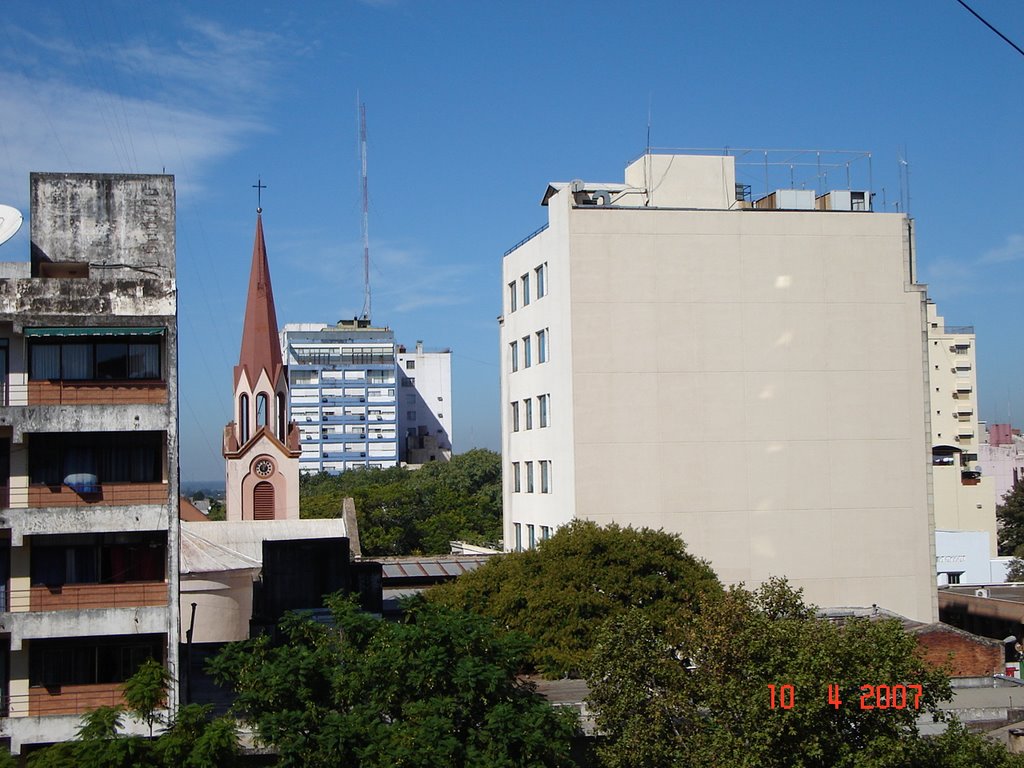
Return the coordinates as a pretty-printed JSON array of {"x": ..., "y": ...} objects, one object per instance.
[
  {"x": 424, "y": 405},
  {"x": 750, "y": 375},
  {"x": 361, "y": 400}
]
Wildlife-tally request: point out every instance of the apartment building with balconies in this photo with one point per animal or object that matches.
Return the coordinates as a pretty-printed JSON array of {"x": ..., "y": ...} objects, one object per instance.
[
  {"x": 746, "y": 370},
  {"x": 342, "y": 394},
  {"x": 88, "y": 450},
  {"x": 965, "y": 497}
]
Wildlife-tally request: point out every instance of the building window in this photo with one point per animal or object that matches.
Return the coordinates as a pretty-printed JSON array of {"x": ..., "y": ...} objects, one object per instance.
[
  {"x": 410, "y": 365},
  {"x": 516, "y": 477},
  {"x": 112, "y": 558},
  {"x": 529, "y": 477},
  {"x": 515, "y": 416},
  {"x": 542, "y": 281},
  {"x": 410, "y": 415},
  {"x": 525, "y": 279},
  {"x": 545, "y": 477},
  {"x": 261, "y": 410},
  {"x": 513, "y": 349},
  {"x": 94, "y": 361},
  {"x": 410, "y": 399},
  {"x": 542, "y": 346},
  {"x": 512, "y": 296},
  {"x": 73, "y": 662},
  {"x": 531, "y": 536},
  {"x": 527, "y": 362},
  {"x": 542, "y": 402},
  {"x": 528, "y": 407},
  {"x": 281, "y": 416},
  {"x": 519, "y": 537},
  {"x": 112, "y": 457},
  {"x": 243, "y": 419},
  {"x": 545, "y": 533}
]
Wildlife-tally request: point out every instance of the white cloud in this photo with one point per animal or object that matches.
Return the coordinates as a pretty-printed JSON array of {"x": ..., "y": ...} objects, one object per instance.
[
  {"x": 1011, "y": 250},
  {"x": 142, "y": 109},
  {"x": 402, "y": 278}
]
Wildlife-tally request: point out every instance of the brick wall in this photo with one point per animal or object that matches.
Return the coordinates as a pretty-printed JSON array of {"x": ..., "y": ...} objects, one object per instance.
[{"x": 961, "y": 653}]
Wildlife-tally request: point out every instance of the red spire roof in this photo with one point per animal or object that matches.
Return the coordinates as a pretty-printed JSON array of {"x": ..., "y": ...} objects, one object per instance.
[{"x": 261, "y": 349}]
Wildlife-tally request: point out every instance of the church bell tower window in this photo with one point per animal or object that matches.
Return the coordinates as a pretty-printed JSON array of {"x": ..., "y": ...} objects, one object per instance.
[{"x": 261, "y": 410}]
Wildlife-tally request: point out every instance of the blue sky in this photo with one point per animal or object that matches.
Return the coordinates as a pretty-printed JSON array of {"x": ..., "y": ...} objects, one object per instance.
[{"x": 472, "y": 108}]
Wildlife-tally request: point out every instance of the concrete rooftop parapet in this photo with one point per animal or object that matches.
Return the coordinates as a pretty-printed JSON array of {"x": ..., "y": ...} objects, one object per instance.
[
  {"x": 126, "y": 291},
  {"x": 105, "y": 218}
]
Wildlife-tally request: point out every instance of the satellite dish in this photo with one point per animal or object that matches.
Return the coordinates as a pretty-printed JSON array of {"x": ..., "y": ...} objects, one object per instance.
[{"x": 10, "y": 222}]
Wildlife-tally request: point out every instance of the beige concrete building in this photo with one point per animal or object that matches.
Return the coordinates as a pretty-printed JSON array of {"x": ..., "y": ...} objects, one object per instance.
[
  {"x": 88, "y": 452},
  {"x": 750, "y": 374},
  {"x": 964, "y": 497}
]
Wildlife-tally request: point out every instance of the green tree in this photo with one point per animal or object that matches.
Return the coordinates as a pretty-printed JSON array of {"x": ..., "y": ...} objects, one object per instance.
[
  {"x": 437, "y": 689},
  {"x": 560, "y": 593},
  {"x": 403, "y": 511},
  {"x": 146, "y": 691},
  {"x": 697, "y": 691},
  {"x": 217, "y": 510},
  {"x": 1015, "y": 570},
  {"x": 1010, "y": 514},
  {"x": 959, "y": 748}
]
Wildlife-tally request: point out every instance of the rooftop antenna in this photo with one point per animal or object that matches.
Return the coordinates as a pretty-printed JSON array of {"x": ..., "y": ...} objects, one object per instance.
[
  {"x": 366, "y": 210},
  {"x": 648, "y": 171},
  {"x": 905, "y": 180}
]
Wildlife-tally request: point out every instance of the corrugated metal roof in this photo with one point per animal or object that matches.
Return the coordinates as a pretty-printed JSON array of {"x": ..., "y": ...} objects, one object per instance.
[
  {"x": 199, "y": 555},
  {"x": 431, "y": 567}
]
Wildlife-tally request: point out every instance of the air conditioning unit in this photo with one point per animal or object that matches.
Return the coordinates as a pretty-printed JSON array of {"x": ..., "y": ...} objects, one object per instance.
[{"x": 981, "y": 593}]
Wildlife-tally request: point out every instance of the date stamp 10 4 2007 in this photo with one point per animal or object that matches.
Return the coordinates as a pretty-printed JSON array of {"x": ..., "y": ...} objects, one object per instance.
[{"x": 897, "y": 696}]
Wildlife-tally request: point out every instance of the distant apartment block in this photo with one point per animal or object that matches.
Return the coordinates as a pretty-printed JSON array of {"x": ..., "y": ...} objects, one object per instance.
[
  {"x": 361, "y": 400},
  {"x": 964, "y": 496},
  {"x": 1001, "y": 458},
  {"x": 424, "y": 405},
  {"x": 747, "y": 371},
  {"x": 88, "y": 451}
]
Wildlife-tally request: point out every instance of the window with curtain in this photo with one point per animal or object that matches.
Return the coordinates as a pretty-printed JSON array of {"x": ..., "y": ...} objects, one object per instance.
[
  {"x": 112, "y": 458},
  {"x": 82, "y": 360}
]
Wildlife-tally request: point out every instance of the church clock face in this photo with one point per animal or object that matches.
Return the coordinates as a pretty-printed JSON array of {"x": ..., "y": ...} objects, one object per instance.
[{"x": 264, "y": 467}]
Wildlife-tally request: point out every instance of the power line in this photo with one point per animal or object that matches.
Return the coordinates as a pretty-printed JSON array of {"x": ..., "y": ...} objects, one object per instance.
[{"x": 976, "y": 15}]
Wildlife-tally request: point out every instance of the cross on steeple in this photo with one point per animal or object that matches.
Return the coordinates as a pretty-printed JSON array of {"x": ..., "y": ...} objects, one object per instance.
[{"x": 259, "y": 186}]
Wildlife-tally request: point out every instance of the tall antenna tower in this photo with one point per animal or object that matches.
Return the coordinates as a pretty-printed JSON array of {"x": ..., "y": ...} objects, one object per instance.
[{"x": 366, "y": 210}]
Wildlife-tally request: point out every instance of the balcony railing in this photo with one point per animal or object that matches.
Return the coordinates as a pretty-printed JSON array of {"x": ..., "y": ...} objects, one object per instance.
[
  {"x": 91, "y": 392},
  {"x": 66, "y": 699},
  {"x": 108, "y": 495},
  {"x": 78, "y": 597}
]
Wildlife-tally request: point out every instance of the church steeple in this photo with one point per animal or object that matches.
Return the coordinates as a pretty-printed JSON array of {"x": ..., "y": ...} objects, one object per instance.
[
  {"x": 261, "y": 349},
  {"x": 261, "y": 447}
]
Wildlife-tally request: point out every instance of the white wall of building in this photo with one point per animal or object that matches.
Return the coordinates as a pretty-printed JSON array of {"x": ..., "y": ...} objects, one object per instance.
[
  {"x": 424, "y": 405},
  {"x": 752, "y": 380}
]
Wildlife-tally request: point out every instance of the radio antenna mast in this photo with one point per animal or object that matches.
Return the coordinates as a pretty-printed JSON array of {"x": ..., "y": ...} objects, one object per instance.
[{"x": 366, "y": 210}]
